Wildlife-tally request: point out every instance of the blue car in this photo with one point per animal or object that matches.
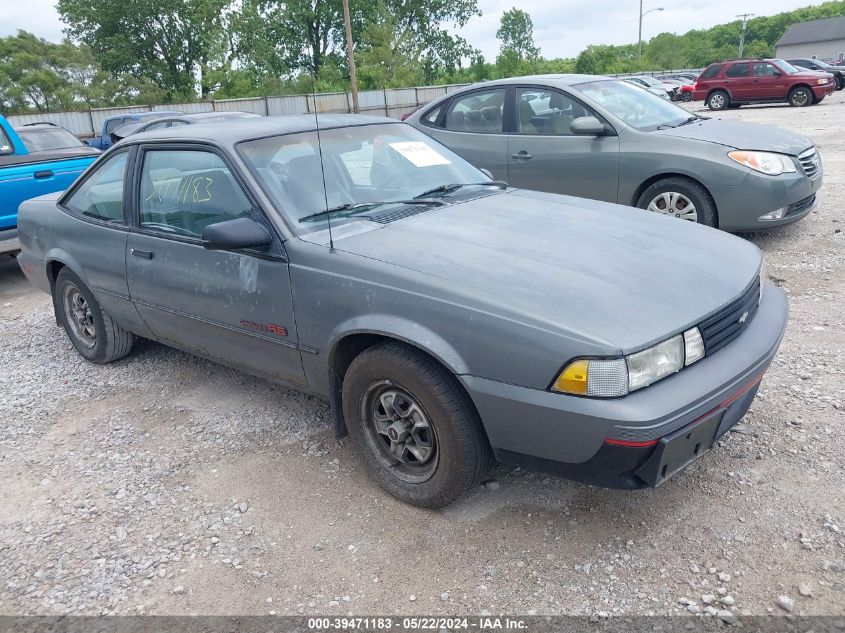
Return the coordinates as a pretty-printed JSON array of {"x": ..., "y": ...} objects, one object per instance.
[
  {"x": 104, "y": 140},
  {"x": 42, "y": 159}
]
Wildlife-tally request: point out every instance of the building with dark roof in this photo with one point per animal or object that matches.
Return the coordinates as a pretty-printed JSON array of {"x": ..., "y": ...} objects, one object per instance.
[{"x": 822, "y": 39}]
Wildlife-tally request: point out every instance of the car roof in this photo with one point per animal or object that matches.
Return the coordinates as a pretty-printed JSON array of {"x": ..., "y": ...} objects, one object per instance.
[
  {"x": 144, "y": 115},
  {"x": 557, "y": 79},
  {"x": 240, "y": 129}
]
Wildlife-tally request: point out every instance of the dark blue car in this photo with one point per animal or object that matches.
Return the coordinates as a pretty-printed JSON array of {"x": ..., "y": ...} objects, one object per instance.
[{"x": 103, "y": 141}]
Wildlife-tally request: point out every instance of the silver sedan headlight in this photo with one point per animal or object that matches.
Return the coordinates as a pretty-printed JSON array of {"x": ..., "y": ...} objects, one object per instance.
[{"x": 767, "y": 163}]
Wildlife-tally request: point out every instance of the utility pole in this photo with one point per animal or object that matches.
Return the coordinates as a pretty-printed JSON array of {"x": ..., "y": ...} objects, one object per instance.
[
  {"x": 350, "y": 56},
  {"x": 744, "y": 17}
]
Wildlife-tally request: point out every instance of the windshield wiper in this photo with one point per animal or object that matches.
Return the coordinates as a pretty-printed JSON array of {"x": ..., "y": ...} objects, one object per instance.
[
  {"x": 501, "y": 184},
  {"x": 360, "y": 206},
  {"x": 691, "y": 119}
]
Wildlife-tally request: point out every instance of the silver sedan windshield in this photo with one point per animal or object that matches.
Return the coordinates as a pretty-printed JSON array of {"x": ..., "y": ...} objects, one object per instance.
[
  {"x": 358, "y": 164},
  {"x": 636, "y": 107}
]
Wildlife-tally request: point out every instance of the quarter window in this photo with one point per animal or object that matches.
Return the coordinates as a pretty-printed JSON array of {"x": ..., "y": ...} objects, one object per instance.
[
  {"x": 5, "y": 144},
  {"x": 737, "y": 70},
  {"x": 479, "y": 111},
  {"x": 430, "y": 117},
  {"x": 711, "y": 72},
  {"x": 183, "y": 191},
  {"x": 101, "y": 194},
  {"x": 546, "y": 112}
]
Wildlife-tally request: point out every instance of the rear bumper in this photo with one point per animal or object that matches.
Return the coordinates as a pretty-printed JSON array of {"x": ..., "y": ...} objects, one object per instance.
[{"x": 614, "y": 442}]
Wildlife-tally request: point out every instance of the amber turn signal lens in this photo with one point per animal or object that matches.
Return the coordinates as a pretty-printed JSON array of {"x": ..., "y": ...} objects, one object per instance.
[{"x": 573, "y": 379}]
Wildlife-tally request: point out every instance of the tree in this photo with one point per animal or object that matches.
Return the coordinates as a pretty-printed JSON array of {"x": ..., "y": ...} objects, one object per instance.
[
  {"x": 170, "y": 42},
  {"x": 516, "y": 34}
]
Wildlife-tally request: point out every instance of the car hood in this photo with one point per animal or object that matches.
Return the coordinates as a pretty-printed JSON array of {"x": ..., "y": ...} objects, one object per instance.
[
  {"x": 742, "y": 135},
  {"x": 622, "y": 276}
]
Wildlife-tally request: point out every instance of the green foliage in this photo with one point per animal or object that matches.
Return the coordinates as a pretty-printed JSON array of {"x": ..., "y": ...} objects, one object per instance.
[{"x": 153, "y": 51}]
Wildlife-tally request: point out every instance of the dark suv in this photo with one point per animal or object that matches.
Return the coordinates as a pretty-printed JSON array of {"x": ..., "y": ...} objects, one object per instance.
[
  {"x": 734, "y": 83},
  {"x": 816, "y": 64}
]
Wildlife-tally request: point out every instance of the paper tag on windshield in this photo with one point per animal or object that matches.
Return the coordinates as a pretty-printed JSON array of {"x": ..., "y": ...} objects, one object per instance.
[{"x": 420, "y": 154}]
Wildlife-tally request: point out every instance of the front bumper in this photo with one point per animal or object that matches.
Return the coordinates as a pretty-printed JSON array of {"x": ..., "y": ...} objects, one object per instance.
[
  {"x": 825, "y": 90},
  {"x": 611, "y": 442},
  {"x": 741, "y": 207}
]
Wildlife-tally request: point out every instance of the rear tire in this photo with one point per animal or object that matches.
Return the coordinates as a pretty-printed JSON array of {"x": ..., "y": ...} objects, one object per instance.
[
  {"x": 718, "y": 100},
  {"x": 90, "y": 329},
  {"x": 389, "y": 391},
  {"x": 800, "y": 97},
  {"x": 680, "y": 197}
]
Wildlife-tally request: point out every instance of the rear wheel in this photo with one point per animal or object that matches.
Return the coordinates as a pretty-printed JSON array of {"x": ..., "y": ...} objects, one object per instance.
[
  {"x": 718, "y": 100},
  {"x": 800, "y": 97},
  {"x": 91, "y": 330},
  {"x": 414, "y": 426},
  {"x": 680, "y": 197}
]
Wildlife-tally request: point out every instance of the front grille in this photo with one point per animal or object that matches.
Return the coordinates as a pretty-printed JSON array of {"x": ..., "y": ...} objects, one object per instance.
[
  {"x": 728, "y": 323},
  {"x": 810, "y": 162},
  {"x": 802, "y": 205}
]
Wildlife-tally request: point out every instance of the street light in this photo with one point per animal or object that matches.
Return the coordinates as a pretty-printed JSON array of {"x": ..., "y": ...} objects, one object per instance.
[{"x": 640, "y": 38}]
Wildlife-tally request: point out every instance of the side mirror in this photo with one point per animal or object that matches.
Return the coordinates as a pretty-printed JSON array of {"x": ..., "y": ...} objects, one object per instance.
[
  {"x": 587, "y": 126},
  {"x": 486, "y": 172},
  {"x": 235, "y": 234}
]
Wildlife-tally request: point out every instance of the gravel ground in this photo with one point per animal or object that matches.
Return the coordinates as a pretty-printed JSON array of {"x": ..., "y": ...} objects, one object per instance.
[{"x": 165, "y": 484}]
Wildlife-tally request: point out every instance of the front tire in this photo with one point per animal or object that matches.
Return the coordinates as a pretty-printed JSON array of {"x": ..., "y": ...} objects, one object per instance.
[
  {"x": 800, "y": 97},
  {"x": 718, "y": 100},
  {"x": 680, "y": 197},
  {"x": 414, "y": 426},
  {"x": 90, "y": 329}
]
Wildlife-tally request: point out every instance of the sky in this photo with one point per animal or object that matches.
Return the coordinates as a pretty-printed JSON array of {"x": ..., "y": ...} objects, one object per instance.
[{"x": 562, "y": 28}]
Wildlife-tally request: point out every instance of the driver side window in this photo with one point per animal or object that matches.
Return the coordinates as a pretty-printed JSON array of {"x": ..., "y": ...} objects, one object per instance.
[
  {"x": 546, "y": 112},
  {"x": 479, "y": 111},
  {"x": 183, "y": 191}
]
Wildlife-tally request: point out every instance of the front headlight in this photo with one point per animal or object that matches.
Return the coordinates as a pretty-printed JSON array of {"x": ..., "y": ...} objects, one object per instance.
[
  {"x": 615, "y": 377},
  {"x": 821, "y": 82},
  {"x": 765, "y": 162}
]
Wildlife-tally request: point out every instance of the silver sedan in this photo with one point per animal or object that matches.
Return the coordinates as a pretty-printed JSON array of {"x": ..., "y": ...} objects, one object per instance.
[{"x": 605, "y": 139}]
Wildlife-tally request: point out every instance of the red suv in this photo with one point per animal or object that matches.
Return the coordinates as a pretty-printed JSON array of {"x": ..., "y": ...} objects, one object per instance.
[{"x": 734, "y": 83}]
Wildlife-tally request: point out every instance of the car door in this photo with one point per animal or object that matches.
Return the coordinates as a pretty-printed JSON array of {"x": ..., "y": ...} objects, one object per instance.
[
  {"x": 471, "y": 125},
  {"x": 769, "y": 82},
  {"x": 738, "y": 81},
  {"x": 233, "y": 306},
  {"x": 544, "y": 154}
]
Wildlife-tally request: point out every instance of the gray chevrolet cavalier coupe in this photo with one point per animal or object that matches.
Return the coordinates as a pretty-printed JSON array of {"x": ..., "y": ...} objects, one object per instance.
[
  {"x": 605, "y": 139},
  {"x": 448, "y": 318}
]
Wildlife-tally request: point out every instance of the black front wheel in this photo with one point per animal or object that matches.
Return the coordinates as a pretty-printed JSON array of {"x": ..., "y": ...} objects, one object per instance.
[
  {"x": 801, "y": 97},
  {"x": 413, "y": 424}
]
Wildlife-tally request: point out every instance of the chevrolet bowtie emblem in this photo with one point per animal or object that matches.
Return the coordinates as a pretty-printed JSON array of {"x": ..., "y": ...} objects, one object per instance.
[{"x": 743, "y": 317}]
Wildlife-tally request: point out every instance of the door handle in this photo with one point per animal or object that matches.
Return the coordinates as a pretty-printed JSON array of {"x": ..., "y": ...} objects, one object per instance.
[
  {"x": 47, "y": 173},
  {"x": 141, "y": 254},
  {"x": 523, "y": 155}
]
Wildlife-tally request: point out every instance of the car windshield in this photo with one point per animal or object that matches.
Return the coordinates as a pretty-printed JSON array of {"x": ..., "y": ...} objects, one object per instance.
[
  {"x": 651, "y": 81},
  {"x": 636, "y": 107},
  {"x": 48, "y": 139},
  {"x": 362, "y": 164}
]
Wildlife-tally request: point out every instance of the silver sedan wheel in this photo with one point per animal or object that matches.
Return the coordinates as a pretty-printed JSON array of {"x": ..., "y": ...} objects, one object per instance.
[
  {"x": 674, "y": 203},
  {"x": 399, "y": 432},
  {"x": 79, "y": 316}
]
